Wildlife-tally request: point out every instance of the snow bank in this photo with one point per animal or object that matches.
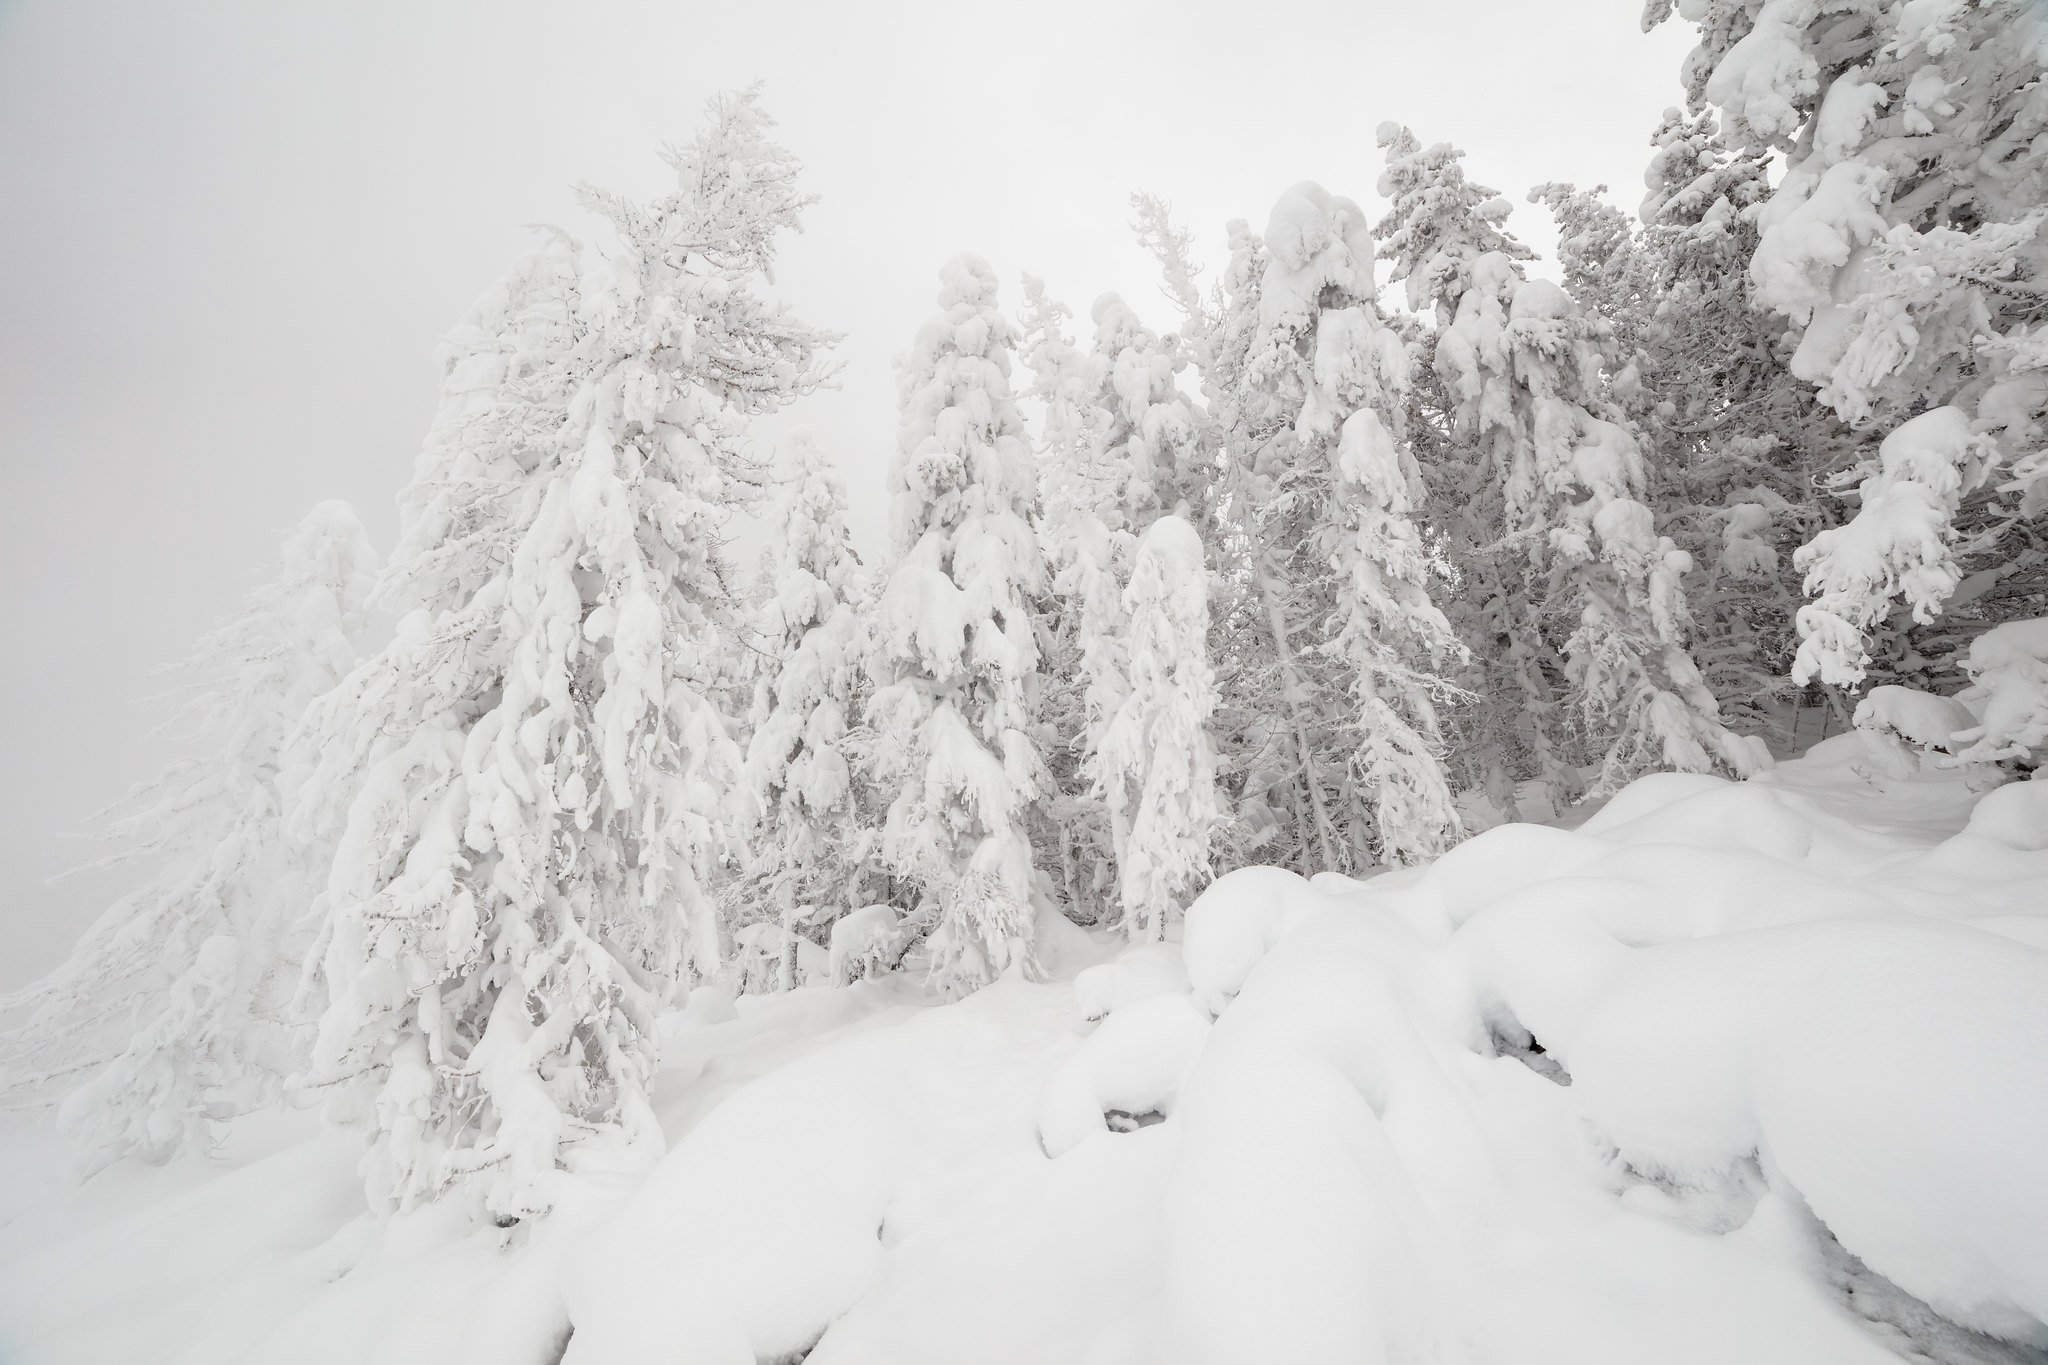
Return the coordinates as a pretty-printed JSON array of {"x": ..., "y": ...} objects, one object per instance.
[{"x": 1733, "y": 1071}]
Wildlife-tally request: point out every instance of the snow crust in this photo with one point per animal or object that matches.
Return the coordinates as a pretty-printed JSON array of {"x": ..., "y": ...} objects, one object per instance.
[{"x": 1733, "y": 1071}]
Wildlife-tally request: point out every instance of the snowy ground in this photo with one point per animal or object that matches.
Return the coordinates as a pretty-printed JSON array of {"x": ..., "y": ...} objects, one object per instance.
[{"x": 1729, "y": 1073}]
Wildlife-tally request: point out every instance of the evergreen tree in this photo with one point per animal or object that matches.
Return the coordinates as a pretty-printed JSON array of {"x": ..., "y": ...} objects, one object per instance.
[
  {"x": 533, "y": 780},
  {"x": 1156, "y": 762},
  {"x": 1328, "y": 355},
  {"x": 1903, "y": 244},
  {"x": 1334, "y": 572},
  {"x": 1521, "y": 370},
  {"x": 954, "y": 647},
  {"x": 173, "y": 1013},
  {"x": 807, "y": 853},
  {"x": 1070, "y": 826},
  {"x": 1736, "y": 446}
]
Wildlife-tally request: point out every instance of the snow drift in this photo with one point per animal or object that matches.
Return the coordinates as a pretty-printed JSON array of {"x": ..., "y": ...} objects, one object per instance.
[{"x": 1748, "y": 1071}]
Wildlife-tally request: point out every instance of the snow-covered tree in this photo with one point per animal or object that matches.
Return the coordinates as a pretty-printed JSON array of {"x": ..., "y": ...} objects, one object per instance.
[
  {"x": 1338, "y": 635},
  {"x": 1327, "y": 349},
  {"x": 806, "y": 854},
  {"x": 173, "y": 1014},
  {"x": 1903, "y": 243},
  {"x": 1071, "y": 835},
  {"x": 1140, "y": 458},
  {"x": 1521, "y": 369},
  {"x": 1735, "y": 446},
  {"x": 954, "y": 649},
  {"x": 1156, "y": 761},
  {"x": 1276, "y": 768},
  {"x": 532, "y": 782}
]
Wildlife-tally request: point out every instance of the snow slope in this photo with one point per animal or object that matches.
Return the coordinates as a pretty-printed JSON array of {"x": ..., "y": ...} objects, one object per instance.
[{"x": 1751, "y": 1072}]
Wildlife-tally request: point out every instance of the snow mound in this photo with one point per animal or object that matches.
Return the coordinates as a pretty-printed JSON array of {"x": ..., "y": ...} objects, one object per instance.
[
  {"x": 1132, "y": 1065},
  {"x": 2015, "y": 815},
  {"x": 1234, "y": 923},
  {"x": 1144, "y": 970},
  {"x": 1735, "y": 1071},
  {"x": 863, "y": 942}
]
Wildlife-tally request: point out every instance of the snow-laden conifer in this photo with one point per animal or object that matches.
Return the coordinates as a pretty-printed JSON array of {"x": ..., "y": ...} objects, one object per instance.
[
  {"x": 954, "y": 650},
  {"x": 806, "y": 853},
  {"x": 1903, "y": 243},
  {"x": 1071, "y": 834},
  {"x": 532, "y": 782},
  {"x": 1326, "y": 347},
  {"x": 1156, "y": 760},
  {"x": 173, "y": 1014},
  {"x": 1522, "y": 373}
]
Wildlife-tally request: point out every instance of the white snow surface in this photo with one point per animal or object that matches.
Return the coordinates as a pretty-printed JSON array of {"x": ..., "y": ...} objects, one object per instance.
[{"x": 1732, "y": 1071}]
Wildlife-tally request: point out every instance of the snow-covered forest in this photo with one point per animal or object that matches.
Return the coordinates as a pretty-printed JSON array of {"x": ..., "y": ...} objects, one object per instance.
[{"x": 1457, "y": 805}]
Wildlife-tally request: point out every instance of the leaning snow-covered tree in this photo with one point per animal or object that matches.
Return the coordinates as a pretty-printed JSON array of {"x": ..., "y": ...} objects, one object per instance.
[
  {"x": 954, "y": 649},
  {"x": 1156, "y": 761},
  {"x": 1327, "y": 351},
  {"x": 806, "y": 855},
  {"x": 1563, "y": 482},
  {"x": 1334, "y": 652},
  {"x": 1904, "y": 244},
  {"x": 173, "y": 1013},
  {"x": 533, "y": 780}
]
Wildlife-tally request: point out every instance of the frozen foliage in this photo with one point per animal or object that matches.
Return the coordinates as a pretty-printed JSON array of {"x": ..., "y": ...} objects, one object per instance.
[
  {"x": 954, "y": 649},
  {"x": 1522, "y": 380},
  {"x": 1918, "y": 718},
  {"x": 530, "y": 783},
  {"x": 1155, "y": 761},
  {"x": 1903, "y": 244},
  {"x": 2008, "y": 694},
  {"x": 808, "y": 848},
  {"x": 1899, "y": 546},
  {"x": 865, "y": 942},
  {"x": 174, "y": 1013}
]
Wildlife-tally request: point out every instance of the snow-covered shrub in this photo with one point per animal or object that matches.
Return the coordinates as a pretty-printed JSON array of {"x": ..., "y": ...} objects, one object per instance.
[
  {"x": 865, "y": 942},
  {"x": 2008, "y": 694}
]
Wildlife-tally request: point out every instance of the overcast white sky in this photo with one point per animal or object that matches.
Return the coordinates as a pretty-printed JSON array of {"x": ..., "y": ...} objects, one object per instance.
[{"x": 230, "y": 235}]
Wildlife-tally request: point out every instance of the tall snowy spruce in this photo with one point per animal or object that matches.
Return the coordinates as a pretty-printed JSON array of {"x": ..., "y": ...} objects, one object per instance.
[
  {"x": 1155, "y": 760},
  {"x": 1561, "y": 483},
  {"x": 1336, "y": 652},
  {"x": 1070, "y": 825},
  {"x": 1736, "y": 447},
  {"x": 1904, "y": 245},
  {"x": 173, "y": 1014},
  {"x": 1122, "y": 450},
  {"x": 954, "y": 649},
  {"x": 1327, "y": 348},
  {"x": 533, "y": 781},
  {"x": 806, "y": 855}
]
